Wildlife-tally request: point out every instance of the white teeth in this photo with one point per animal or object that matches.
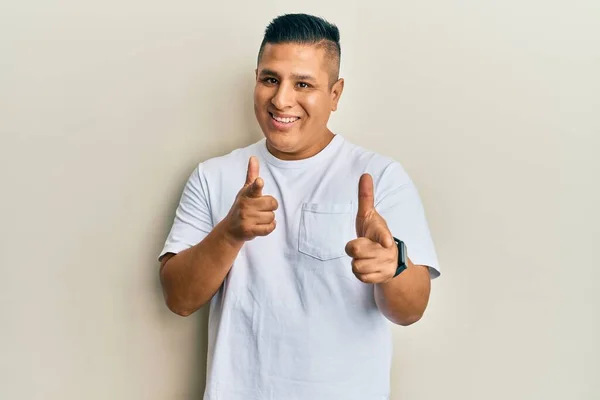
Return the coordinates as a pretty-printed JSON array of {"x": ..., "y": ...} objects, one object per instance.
[{"x": 284, "y": 120}]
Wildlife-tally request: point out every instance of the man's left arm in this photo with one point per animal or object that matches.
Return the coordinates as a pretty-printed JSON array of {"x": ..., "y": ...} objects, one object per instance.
[{"x": 402, "y": 298}]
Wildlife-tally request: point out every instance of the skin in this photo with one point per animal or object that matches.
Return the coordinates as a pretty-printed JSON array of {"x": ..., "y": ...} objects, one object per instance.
[
  {"x": 402, "y": 299},
  {"x": 295, "y": 81}
]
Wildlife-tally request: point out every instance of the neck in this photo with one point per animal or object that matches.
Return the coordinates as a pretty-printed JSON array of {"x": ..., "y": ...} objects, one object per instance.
[{"x": 306, "y": 152}]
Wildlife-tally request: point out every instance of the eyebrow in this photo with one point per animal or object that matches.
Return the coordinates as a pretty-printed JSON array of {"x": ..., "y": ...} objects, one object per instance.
[{"x": 299, "y": 77}]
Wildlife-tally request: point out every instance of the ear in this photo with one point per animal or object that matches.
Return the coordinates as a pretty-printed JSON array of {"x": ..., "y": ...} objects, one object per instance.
[{"x": 336, "y": 93}]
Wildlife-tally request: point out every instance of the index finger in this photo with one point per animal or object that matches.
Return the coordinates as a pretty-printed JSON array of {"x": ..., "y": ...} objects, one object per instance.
[{"x": 252, "y": 172}]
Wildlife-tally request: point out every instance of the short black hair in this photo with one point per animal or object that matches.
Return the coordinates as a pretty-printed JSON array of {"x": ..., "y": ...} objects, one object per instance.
[{"x": 305, "y": 29}]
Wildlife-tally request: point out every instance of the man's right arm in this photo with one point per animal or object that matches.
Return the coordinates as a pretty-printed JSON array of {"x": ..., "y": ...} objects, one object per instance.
[{"x": 191, "y": 278}]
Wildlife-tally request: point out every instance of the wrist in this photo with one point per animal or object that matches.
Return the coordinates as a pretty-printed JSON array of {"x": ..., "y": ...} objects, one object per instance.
[
  {"x": 228, "y": 237},
  {"x": 401, "y": 257}
]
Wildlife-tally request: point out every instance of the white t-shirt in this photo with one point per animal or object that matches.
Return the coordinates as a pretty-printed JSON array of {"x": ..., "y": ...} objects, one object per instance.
[{"x": 291, "y": 321}]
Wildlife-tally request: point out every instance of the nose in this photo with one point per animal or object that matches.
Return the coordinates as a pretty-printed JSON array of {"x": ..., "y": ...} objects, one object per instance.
[{"x": 284, "y": 97}]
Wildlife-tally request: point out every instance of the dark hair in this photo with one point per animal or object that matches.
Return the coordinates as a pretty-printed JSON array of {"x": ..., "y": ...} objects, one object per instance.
[{"x": 304, "y": 29}]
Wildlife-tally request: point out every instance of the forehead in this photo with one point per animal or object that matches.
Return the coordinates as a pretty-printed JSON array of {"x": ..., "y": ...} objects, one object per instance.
[{"x": 293, "y": 58}]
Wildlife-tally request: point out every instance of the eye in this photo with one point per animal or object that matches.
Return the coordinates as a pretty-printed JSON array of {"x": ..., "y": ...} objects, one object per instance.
[
  {"x": 270, "y": 81},
  {"x": 303, "y": 85}
]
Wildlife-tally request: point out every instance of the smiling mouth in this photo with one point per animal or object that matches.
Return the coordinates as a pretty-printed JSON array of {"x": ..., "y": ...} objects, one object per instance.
[{"x": 287, "y": 120}]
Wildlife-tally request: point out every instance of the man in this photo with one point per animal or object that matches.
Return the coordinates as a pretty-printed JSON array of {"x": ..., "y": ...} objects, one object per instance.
[{"x": 292, "y": 241}]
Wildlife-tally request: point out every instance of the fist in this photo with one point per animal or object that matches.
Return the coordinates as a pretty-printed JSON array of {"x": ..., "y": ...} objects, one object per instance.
[
  {"x": 251, "y": 214},
  {"x": 374, "y": 252}
]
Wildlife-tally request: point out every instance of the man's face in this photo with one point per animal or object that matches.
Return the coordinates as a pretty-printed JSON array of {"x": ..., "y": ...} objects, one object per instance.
[{"x": 293, "y": 99}]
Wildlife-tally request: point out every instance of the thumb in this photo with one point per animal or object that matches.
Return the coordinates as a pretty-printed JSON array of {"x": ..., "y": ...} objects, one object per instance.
[
  {"x": 385, "y": 239},
  {"x": 366, "y": 203},
  {"x": 252, "y": 173},
  {"x": 255, "y": 189}
]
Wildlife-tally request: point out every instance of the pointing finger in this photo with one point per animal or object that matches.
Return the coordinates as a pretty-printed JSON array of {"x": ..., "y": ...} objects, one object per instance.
[
  {"x": 366, "y": 203},
  {"x": 252, "y": 173}
]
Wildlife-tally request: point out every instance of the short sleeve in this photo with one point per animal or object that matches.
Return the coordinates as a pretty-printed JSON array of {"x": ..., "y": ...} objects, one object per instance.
[
  {"x": 400, "y": 205},
  {"x": 193, "y": 220}
]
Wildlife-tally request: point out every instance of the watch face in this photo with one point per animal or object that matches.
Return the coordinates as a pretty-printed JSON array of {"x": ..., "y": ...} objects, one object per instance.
[
  {"x": 402, "y": 255},
  {"x": 401, "y": 251}
]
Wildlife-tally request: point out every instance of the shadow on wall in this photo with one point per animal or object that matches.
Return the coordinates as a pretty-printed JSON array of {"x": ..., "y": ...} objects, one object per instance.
[{"x": 236, "y": 132}]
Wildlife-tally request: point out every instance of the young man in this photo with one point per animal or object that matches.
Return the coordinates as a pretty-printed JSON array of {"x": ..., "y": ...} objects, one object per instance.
[{"x": 293, "y": 241}]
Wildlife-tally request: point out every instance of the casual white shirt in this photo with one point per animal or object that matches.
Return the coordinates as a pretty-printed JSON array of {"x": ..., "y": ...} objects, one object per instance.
[{"x": 291, "y": 321}]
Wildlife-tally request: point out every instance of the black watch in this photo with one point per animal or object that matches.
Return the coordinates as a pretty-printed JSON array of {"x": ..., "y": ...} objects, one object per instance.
[{"x": 401, "y": 257}]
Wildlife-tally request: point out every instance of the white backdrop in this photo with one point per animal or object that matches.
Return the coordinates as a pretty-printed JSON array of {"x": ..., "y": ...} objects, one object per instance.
[{"x": 492, "y": 107}]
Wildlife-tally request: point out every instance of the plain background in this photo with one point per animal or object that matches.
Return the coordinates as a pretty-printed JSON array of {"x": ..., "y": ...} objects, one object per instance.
[{"x": 492, "y": 107}]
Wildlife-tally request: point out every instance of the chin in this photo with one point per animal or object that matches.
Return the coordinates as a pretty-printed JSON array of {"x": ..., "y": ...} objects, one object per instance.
[{"x": 283, "y": 141}]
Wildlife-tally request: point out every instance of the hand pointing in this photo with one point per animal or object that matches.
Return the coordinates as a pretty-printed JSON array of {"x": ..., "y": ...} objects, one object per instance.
[
  {"x": 374, "y": 252},
  {"x": 251, "y": 214}
]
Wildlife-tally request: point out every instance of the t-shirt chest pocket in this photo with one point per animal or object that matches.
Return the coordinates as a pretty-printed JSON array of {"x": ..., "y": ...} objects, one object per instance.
[{"x": 325, "y": 229}]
